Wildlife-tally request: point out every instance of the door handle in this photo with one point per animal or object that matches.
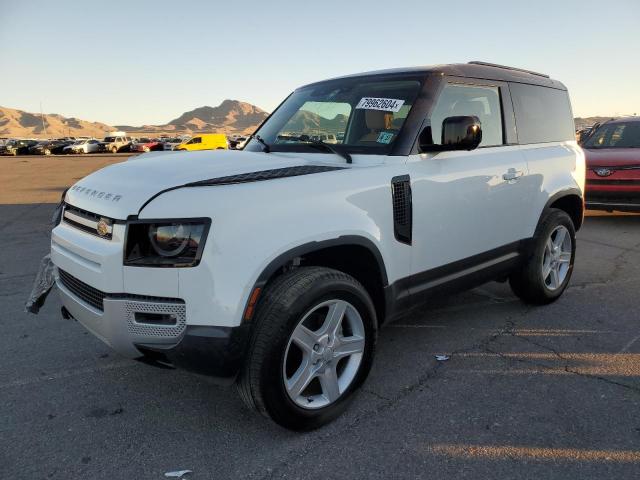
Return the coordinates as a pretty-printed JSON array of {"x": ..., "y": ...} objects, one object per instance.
[{"x": 512, "y": 175}]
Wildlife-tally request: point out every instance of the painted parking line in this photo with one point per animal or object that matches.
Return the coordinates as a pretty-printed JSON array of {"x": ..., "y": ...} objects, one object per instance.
[{"x": 513, "y": 452}]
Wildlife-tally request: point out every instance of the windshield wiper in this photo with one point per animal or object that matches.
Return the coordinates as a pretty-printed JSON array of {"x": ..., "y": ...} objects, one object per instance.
[
  {"x": 265, "y": 146},
  {"x": 329, "y": 148},
  {"x": 319, "y": 144}
]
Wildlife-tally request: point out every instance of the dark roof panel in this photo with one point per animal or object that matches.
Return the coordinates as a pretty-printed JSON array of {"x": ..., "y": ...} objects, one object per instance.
[{"x": 471, "y": 70}]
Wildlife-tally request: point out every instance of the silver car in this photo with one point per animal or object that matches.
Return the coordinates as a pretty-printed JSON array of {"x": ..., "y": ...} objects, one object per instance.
[{"x": 83, "y": 146}]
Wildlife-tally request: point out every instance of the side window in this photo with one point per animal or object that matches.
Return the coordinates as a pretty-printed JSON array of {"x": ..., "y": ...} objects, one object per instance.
[
  {"x": 542, "y": 114},
  {"x": 482, "y": 102},
  {"x": 196, "y": 140}
]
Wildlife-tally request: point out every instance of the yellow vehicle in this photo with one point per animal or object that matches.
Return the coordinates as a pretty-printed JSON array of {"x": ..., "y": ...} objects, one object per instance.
[{"x": 206, "y": 141}]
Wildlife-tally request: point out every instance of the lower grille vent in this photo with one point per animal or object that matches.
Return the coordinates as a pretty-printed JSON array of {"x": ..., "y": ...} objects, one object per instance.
[{"x": 84, "y": 292}]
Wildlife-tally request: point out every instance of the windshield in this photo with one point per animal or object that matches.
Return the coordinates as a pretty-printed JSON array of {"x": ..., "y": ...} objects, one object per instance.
[
  {"x": 615, "y": 135},
  {"x": 355, "y": 115},
  {"x": 109, "y": 139}
]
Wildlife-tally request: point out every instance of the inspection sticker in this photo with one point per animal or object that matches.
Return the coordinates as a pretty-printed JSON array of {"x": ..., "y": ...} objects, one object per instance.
[
  {"x": 385, "y": 137},
  {"x": 386, "y": 104}
]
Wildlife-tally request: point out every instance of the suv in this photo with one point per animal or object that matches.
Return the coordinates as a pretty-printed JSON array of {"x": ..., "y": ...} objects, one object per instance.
[
  {"x": 115, "y": 144},
  {"x": 274, "y": 267},
  {"x": 612, "y": 154}
]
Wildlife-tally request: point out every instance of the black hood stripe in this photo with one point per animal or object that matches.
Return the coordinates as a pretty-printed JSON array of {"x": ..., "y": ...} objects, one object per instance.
[
  {"x": 265, "y": 175},
  {"x": 250, "y": 177}
]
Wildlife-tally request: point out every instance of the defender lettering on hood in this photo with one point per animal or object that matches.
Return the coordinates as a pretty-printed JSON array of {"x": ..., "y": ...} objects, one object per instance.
[{"x": 95, "y": 193}]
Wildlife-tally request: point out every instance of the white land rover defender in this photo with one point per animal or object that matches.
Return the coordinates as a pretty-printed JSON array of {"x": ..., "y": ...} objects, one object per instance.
[{"x": 274, "y": 267}]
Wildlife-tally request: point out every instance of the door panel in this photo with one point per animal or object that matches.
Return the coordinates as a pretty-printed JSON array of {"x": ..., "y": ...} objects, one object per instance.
[{"x": 465, "y": 204}]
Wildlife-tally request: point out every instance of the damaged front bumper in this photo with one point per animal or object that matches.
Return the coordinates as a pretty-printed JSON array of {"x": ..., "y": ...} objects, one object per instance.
[{"x": 155, "y": 330}]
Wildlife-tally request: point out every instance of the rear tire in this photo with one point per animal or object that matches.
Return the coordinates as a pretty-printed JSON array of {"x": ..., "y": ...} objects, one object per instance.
[
  {"x": 304, "y": 383},
  {"x": 549, "y": 265}
]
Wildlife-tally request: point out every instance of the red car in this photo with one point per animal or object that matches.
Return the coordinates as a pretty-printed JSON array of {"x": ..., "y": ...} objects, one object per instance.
[
  {"x": 613, "y": 166},
  {"x": 147, "y": 145}
]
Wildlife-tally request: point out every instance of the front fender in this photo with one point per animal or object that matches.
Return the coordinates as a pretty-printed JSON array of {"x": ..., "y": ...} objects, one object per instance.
[{"x": 258, "y": 227}]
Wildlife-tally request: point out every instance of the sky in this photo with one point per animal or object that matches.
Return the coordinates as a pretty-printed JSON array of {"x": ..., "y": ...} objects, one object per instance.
[{"x": 147, "y": 62}]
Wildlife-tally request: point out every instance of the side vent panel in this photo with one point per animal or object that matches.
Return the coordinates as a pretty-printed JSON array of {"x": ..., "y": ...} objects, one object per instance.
[{"x": 402, "y": 211}]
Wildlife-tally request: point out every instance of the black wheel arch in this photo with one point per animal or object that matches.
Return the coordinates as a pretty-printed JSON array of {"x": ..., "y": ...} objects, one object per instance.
[
  {"x": 355, "y": 255},
  {"x": 569, "y": 200}
]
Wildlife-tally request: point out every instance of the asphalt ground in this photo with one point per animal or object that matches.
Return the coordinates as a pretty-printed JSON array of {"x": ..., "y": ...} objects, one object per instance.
[
  {"x": 28, "y": 179},
  {"x": 528, "y": 392}
]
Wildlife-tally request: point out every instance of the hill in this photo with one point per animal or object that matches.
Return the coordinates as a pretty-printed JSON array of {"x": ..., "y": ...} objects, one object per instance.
[
  {"x": 305, "y": 121},
  {"x": 17, "y": 123},
  {"x": 230, "y": 117}
]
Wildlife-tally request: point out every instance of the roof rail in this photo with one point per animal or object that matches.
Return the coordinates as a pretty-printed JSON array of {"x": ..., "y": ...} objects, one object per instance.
[{"x": 486, "y": 64}]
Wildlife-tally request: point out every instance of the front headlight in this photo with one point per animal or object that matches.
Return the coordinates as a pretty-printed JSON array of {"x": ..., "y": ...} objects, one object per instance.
[{"x": 170, "y": 243}]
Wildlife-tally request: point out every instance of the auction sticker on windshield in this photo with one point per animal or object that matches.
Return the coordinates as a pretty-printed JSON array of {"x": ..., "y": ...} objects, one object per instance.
[{"x": 386, "y": 104}]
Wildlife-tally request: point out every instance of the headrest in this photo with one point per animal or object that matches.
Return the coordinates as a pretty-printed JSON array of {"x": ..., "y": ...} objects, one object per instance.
[{"x": 378, "y": 120}]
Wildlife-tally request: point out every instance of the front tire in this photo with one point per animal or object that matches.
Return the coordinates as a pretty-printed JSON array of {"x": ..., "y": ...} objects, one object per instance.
[
  {"x": 312, "y": 347},
  {"x": 548, "y": 268}
]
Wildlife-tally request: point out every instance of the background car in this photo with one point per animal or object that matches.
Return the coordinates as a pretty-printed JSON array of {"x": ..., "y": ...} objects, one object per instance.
[
  {"x": 17, "y": 147},
  {"x": 59, "y": 148},
  {"x": 171, "y": 143},
  {"x": 48, "y": 147},
  {"x": 205, "y": 141},
  {"x": 612, "y": 153},
  {"x": 147, "y": 145},
  {"x": 83, "y": 146},
  {"x": 115, "y": 144}
]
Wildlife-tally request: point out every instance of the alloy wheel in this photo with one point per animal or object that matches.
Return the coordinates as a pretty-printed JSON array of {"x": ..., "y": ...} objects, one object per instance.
[
  {"x": 324, "y": 353},
  {"x": 556, "y": 260}
]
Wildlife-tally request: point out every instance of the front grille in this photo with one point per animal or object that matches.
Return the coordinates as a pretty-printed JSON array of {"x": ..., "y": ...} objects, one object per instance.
[
  {"x": 84, "y": 292},
  {"x": 91, "y": 217},
  {"x": 95, "y": 297}
]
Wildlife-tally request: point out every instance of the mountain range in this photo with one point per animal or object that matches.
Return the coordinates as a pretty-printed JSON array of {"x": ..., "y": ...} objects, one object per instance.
[
  {"x": 230, "y": 117},
  {"x": 17, "y": 123}
]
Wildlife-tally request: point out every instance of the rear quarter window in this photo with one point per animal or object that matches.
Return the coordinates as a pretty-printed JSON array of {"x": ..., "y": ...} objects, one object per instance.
[{"x": 542, "y": 114}]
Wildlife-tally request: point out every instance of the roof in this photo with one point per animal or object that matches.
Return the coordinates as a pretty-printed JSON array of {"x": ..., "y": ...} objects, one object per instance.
[
  {"x": 481, "y": 70},
  {"x": 623, "y": 120}
]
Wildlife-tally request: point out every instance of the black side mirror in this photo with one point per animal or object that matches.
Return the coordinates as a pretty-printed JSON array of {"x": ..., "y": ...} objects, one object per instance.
[{"x": 458, "y": 133}]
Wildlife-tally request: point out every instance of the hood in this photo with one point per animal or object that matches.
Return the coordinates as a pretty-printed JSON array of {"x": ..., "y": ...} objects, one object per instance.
[
  {"x": 122, "y": 189},
  {"x": 611, "y": 157}
]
